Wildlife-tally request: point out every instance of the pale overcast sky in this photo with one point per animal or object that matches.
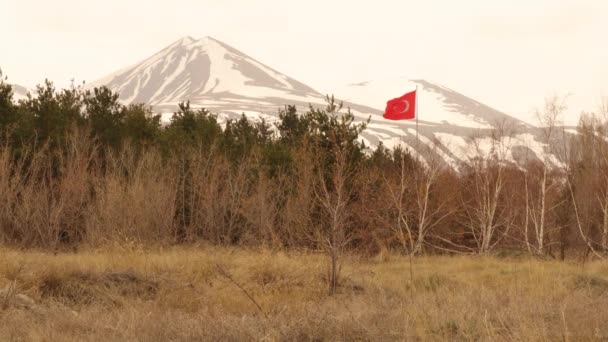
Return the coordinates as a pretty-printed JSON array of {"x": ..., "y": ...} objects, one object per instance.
[{"x": 508, "y": 54}]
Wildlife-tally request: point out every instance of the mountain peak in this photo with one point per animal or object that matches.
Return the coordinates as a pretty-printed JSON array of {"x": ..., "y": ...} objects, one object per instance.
[
  {"x": 193, "y": 42},
  {"x": 184, "y": 41},
  {"x": 203, "y": 71}
]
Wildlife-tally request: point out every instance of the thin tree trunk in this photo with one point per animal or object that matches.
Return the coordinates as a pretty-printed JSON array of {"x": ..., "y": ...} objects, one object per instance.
[
  {"x": 527, "y": 219},
  {"x": 605, "y": 226},
  {"x": 541, "y": 228},
  {"x": 333, "y": 278}
]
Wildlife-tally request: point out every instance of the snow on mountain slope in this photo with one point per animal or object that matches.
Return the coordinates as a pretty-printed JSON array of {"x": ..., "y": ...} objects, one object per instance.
[
  {"x": 459, "y": 127},
  {"x": 436, "y": 104},
  {"x": 216, "y": 76}
]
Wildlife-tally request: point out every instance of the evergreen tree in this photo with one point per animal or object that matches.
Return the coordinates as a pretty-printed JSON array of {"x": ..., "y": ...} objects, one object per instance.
[
  {"x": 292, "y": 127},
  {"x": 190, "y": 127},
  {"x": 140, "y": 125},
  {"x": 8, "y": 111},
  {"x": 104, "y": 115},
  {"x": 52, "y": 114}
]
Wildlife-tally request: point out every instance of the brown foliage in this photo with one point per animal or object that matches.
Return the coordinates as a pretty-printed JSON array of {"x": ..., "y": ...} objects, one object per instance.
[{"x": 80, "y": 194}]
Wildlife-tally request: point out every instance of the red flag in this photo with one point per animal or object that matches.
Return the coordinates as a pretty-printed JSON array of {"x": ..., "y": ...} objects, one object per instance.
[{"x": 401, "y": 108}]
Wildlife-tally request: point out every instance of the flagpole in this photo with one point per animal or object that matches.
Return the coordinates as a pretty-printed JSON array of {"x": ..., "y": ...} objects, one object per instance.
[{"x": 416, "y": 114}]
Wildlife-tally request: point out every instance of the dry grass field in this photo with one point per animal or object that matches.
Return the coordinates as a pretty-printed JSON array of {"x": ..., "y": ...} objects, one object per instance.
[{"x": 211, "y": 293}]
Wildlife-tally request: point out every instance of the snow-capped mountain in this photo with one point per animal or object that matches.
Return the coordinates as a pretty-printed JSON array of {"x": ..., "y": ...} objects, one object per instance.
[
  {"x": 209, "y": 73},
  {"x": 216, "y": 76}
]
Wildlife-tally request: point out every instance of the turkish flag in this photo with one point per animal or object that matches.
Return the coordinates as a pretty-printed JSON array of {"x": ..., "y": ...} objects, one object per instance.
[{"x": 401, "y": 108}]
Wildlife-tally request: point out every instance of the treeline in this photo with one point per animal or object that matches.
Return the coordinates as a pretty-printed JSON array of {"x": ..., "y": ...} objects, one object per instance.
[{"x": 77, "y": 167}]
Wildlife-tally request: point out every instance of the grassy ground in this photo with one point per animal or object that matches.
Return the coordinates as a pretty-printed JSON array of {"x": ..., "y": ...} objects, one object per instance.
[{"x": 187, "y": 294}]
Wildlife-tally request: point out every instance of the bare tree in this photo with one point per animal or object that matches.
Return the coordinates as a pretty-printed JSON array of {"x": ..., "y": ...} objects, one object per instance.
[
  {"x": 536, "y": 207},
  {"x": 486, "y": 219},
  {"x": 588, "y": 183},
  {"x": 261, "y": 209},
  {"x": 585, "y": 160},
  {"x": 415, "y": 219},
  {"x": 333, "y": 196},
  {"x": 602, "y": 197},
  {"x": 300, "y": 200}
]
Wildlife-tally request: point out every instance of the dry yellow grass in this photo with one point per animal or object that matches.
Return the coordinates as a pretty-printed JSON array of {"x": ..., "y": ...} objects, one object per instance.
[{"x": 180, "y": 295}]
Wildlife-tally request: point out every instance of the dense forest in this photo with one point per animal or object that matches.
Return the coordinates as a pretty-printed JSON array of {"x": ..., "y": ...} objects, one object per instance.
[{"x": 79, "y": 168}]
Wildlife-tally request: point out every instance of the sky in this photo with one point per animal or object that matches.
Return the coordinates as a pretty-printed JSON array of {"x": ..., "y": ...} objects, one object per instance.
[{"x": 510, "y": 55}]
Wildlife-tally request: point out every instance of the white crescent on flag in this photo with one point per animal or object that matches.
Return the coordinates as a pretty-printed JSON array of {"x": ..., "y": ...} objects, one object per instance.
[{"x": 407, "y": 106}]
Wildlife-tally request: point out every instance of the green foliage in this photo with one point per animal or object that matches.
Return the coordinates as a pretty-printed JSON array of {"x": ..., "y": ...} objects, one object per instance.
[
  {"x": 242, "y": 135},
  {"x": 47, "y": 117},
  {"x": 104, "y": 115},
  {"x": 191, "y": 128},
  {"x": 140, "y": 125},
  {"x": 52, "y": 113},
  {"x": 292, "y": 127},
  {"x": 8, "y": 113}
]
